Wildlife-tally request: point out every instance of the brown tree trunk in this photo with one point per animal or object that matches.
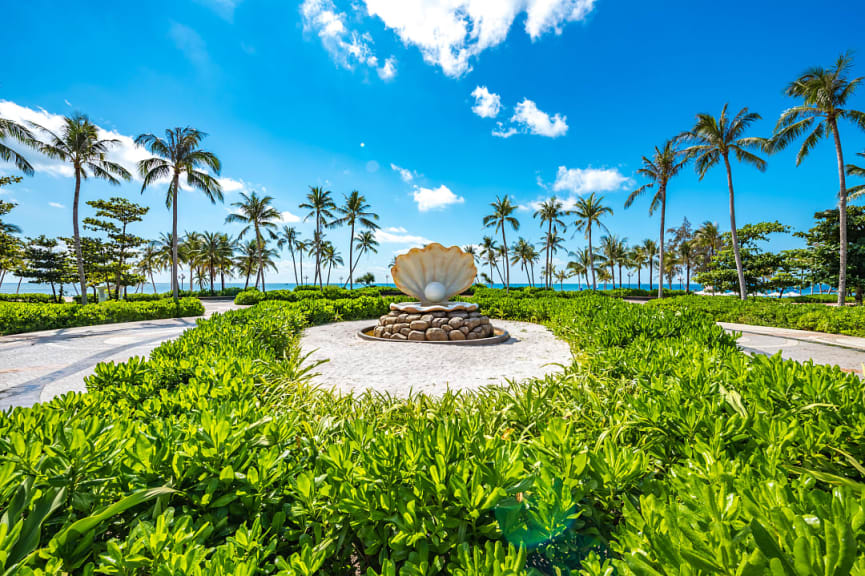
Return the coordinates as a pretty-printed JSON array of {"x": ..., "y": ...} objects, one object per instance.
[
  {"x": 591, "y": 256},
  {"x": 78, "y": 257},
  {"x": 842, "y": 216},
  {"x": 663, "y": 192},
  {"x": 507, "y": 262},
  {"x": 740, "y": 270},
  {"x": 175, "y": 289}
]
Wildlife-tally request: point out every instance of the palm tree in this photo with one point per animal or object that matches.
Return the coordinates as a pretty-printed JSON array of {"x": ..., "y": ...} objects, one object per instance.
[
  {"x": 330, "y": 256},
  {"x": 355, "y": 211},
  {"x": 187, "y": 253},
  {"x": 581, "y": 263},
  {"x": 532, "y": 256},
  {"x": 553, "y": 242},
  {"x": 10, "y": 130},
  {"x": 224, "y": 258},
  {"x": 208, "y": 255},
  {"x": 686, "y": 257},
  {"x": 288, "y": 236},
  {"x": 79, "y": 144},
  {"x": 550, "y": 213},
  {"x": 179, "y": 154},
  {"x": 364, "y": 242},
  {"x": 320, "y": 204},
  {"x": 561, "y": 276},
  {"x": 713, "y": 140},
  {"x": 666, "y": 162},
  {"x": 499, "y": 219},
  {"x": 247, "y": 260},
  {"x": 824, "y": 93},
  {"x": 708, "y": 238},
  {"x": 609, "y": 249},
  {"x": 638, "y": 259},
  {"x": 489, "y": 249},
  {"x": 302, "y": 247},
  {"x": 588, "y": 212},
  {"x": 266, "y": 259},
  {"x": 520, "y": 256},
  {"x": 259, "y": 215},
  {"x": 150, "y": 261},
  {"x": 651, "y": 250},
  {"x": 857, "y": 191}
]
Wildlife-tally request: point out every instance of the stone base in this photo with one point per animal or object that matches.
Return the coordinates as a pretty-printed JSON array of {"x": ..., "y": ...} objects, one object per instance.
[{"x": 433, "y": 326}]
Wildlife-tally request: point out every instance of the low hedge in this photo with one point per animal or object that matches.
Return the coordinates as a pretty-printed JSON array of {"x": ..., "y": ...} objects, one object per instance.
[
  {"x": 661, "y": 450},
  {"x": 780, "y": 313},
  {"x": 254, "y": 296},
  {"x": 27, "y": 297},
  {"x": 25, "y": 317},
  {"x": 149, "y": 297}
]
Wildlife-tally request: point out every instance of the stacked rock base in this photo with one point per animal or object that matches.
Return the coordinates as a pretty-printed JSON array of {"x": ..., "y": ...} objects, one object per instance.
[{"x": 433, "y": 326}]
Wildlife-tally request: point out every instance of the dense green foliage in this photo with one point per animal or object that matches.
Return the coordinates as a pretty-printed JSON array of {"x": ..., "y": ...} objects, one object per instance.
[
  {"x": 253, "y": 296},
  {"x": 823, "y": 245},
  {"x": 776, "y": 312},
  {"x": 149, "y": 297},
  {"x": 18, "y": 317},
  {"x": 660, "y": 450},
  {"x": 27, "y": 297}
]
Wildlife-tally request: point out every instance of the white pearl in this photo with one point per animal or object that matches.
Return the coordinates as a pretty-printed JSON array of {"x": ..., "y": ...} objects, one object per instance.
[{"x": 435, "y": 292}]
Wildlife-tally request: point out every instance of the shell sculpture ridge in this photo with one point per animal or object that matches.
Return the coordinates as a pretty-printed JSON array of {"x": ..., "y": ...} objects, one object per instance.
[{"x": 433, "y": 274}]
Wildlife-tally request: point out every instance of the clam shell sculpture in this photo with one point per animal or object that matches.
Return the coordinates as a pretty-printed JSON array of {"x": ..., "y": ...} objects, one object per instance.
[{"x": 433, "y": 274}]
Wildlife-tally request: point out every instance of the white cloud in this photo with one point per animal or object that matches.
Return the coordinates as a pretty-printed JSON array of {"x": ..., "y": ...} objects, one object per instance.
[
  {"x": 191, "y": 44},
  {"x": 347, "y": 47},
  {"x": 435, "y": 198},
  {"x": 288, "y": 217},
  {"x": 449, "y": 33},
  {"x": 388, "y": 70},
  {"x": 587, "y": 180},
  {"x": 396, "y": 229},
  {"x": 56, "y": 205},
  {"x": 487, "y": 104},
  {"x": 528, "y": 118},
  {"x": 230, "y": 185},
  {"x": 404, "y": 173},
  {"x": 503, "y": 131},
  {"x": 399, "y": 236}
]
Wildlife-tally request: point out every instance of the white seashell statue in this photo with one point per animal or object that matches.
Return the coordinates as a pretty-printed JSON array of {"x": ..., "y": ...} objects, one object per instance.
[{"x": 433, "y": 274}]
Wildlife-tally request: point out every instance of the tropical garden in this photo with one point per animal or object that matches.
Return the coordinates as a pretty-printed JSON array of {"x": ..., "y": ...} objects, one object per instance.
[{"x": 661, "y": 449}]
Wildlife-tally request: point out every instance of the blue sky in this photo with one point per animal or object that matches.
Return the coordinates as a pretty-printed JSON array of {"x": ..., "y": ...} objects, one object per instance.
[{"x": 396, "y": 98}]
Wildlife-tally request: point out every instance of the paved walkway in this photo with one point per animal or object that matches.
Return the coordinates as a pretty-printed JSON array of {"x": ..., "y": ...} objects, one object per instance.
[
  {"x": 37, "y": 366},
  {"x": 846, "y": 352}
]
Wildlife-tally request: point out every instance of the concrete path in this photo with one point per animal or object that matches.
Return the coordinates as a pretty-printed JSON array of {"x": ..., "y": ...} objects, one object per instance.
[
  {"x": 37, "y": 366},
  {"x": 846, "y": 352}
]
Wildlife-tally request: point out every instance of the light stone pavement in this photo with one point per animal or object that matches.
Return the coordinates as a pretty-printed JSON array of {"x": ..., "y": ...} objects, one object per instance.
[{"x": 36, "y": 366}]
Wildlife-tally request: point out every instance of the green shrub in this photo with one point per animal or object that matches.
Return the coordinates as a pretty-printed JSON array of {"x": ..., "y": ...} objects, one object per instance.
[
  {"x": 25, "y": 297},
  {"x": 21, "y": 317},
  {"x": 661, "y": 450},
  {"x": 254, "y": 296},
  {"x": 780, "y": 313}
]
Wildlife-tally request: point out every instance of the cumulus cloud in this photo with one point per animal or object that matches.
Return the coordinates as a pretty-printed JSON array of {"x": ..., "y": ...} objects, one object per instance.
[
  {"x": 56, "y": 205},
  {"x": 487, "y": 104},
  {"x": 404, "y": 173},
  {"x": 388, "y": 70},
  {"x": 587, "y": 180},
  {"x": 348, "y": 48},
  {"x": 230, "y": 185},
  {"x": 399, "y": 236},
  {"x": 529, "y": 119},
  {"x": 449, "y": 33},
  {"x": 435, "y": 198},
  {"x": 289, "y": 218}
]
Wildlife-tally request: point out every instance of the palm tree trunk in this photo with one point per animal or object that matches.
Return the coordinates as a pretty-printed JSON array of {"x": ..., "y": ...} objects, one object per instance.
[
  {"x": 350, "y": 260},
  {"x": 591, "y": 256},
  {"x": 300, "y": 256},
  {"x": 293, "y": 264},
  {"x": 260, "y": 258},
  {"x": 246, "y": 284},
  {"x": 651, "y": 270},
  {"x": 842, "y": 217},
  {"x": 663, "y": 192},
  {"x": 639, "y": 284},
  {"x": 175, "y": 289},
  {"x": 620, "y": 275},
  {"x": 547, "y": 279},
  {"x": 507, "y": 262},
  {"x": 740, "y": 270},
  {"x": 152, "y": 282},
  {"x": 78, "y": 257}
]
